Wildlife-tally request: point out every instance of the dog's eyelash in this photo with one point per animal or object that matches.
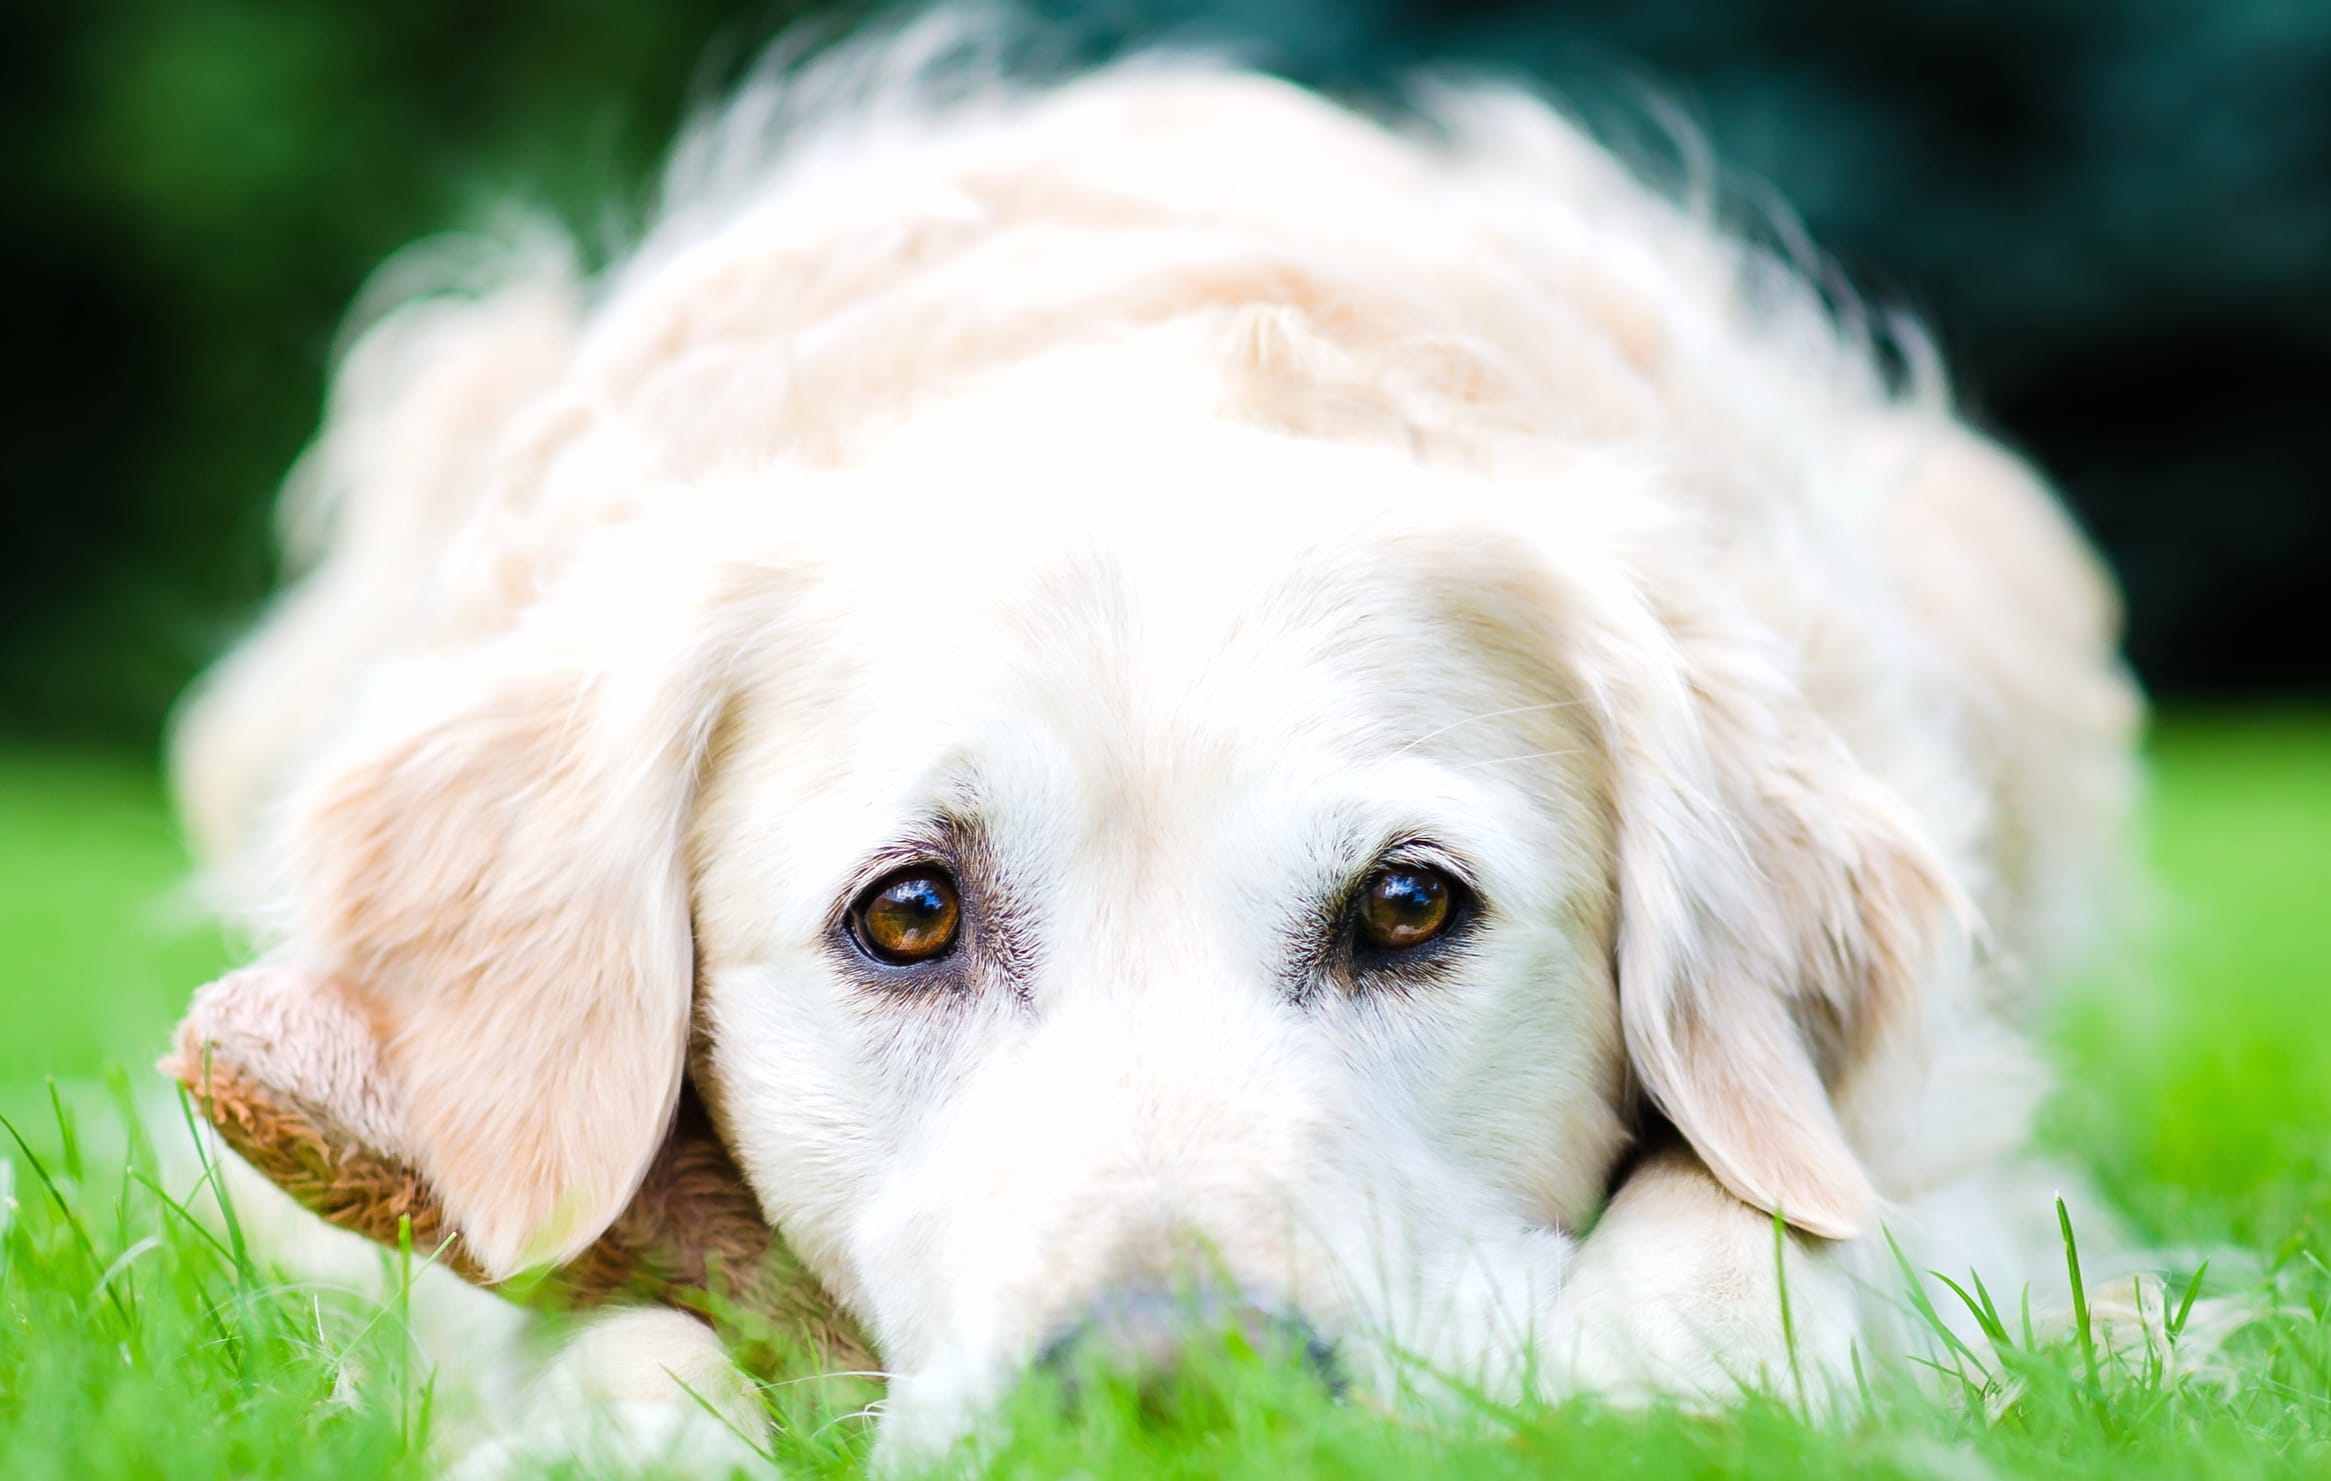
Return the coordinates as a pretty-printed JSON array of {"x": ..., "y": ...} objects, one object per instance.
[
  {"x": 1418, "y": 853},
  {"x": 942, "y": 842},
  {"x": 890, "y": 861}
]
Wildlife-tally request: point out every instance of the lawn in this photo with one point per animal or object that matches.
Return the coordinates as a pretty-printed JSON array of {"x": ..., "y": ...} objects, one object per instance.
[{"x": 2197, "y": 1067}]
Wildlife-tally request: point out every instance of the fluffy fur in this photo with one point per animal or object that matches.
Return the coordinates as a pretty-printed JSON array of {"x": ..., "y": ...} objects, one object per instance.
[{"x": 1160, "y": 495}]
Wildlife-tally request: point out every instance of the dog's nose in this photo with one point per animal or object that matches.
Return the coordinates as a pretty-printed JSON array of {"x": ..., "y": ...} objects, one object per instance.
[{"x": 1147, "y": 1337}]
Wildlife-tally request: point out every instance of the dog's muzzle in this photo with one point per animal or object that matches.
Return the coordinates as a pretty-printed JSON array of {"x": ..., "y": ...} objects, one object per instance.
[{"x": 1148, "y": 1337}]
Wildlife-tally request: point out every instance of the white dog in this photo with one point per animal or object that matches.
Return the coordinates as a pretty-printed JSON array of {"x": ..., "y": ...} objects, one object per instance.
[{"x": 1150, "y": 683}]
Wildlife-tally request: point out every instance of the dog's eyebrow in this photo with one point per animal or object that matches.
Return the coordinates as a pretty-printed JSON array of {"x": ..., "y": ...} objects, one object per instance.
[{"x": 1439, "y": 730}]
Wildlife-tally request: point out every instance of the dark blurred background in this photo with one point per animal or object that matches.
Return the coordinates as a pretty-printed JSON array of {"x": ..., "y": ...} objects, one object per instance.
[{"x": 2115, "y": 216}]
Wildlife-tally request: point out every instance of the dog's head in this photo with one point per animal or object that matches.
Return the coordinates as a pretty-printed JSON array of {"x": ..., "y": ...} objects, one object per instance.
[{"x": 1295, "y": 896}]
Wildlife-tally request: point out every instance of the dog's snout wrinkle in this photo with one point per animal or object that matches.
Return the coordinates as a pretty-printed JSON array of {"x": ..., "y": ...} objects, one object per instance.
[{"x": 1147, "y": 1335}]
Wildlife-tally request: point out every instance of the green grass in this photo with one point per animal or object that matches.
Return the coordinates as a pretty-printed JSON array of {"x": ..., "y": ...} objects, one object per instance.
[{"x": 2198, "y": 1091}]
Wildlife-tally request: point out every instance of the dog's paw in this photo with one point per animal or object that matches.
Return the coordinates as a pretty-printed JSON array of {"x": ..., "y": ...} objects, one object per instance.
[
  {"x": 635, "y": 1392},
  {"x": 652, "y": 1437},
  {"x": 1679, "y": 1294}
]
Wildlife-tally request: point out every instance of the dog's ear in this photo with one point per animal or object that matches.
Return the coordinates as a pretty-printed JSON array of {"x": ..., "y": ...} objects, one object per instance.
[
  {"x": 1777, "y": 907},
  {"x": 498, "y": 871},
  {"x": 287, "y": 1068}
]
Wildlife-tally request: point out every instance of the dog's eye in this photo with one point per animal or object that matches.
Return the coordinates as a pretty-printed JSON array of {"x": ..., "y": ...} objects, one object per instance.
[
  {"x": 908, "y": 916},
  {"x": 1405, "y": 906}
]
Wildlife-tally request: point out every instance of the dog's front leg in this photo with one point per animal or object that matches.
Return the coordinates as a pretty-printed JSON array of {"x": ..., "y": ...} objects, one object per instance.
[
  {"x": 1676, "y": 1292},
  {"x": 632, "y": 1390}
]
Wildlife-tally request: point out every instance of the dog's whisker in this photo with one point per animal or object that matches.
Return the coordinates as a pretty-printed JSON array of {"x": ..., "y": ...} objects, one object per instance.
[
  {"x": 1524, "y": 756},
  {"x": 876, "y": 1374},
  {"x": 1558, "y": 704},
  {"x": 872, "y": 1411}
]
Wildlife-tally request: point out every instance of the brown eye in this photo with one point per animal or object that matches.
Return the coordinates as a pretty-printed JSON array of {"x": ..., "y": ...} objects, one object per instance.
[
  {"x": 1406, "y": 906},
  {"x": 908, "y": 917}
]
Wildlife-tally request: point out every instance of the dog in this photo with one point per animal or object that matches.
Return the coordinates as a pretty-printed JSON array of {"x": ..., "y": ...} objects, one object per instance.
[{"x": 1178, "y": 705}]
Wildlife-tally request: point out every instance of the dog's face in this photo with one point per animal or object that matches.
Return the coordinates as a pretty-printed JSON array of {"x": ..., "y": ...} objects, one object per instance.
[
  {"x": 1226, "y": 863},
  {"x": 1220, "y": 899}
]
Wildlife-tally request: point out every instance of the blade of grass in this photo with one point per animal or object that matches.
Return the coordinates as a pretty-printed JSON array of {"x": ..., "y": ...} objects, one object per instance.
[
  {"x": 68, "y": 1137},
  {"x": 404, "y": 1310},
  {"x": 1924, "y": 1306},
  {"x": 758, "y": 1448},
  {"x": 389, "y": 1308},
  {"x": 1987, "y": 1320},
  {"x": 1990, "y": 1307},
  {"x": 1788, "y": 1317},
  {"x": 425, "y": 1411},
  {"x": 137, "y": 1142},
  {"x": 181, "y": 1210},
  {"x": 72, "y": 1218},
  {"x": 246, "y": 1276},
  {"x": 2185, "y": 1305},
  {"x": 1861, "y": 1385},
  {"x": 128, "y": 1258},
  {"x": 137, "y": 1150},
  {"x": 2080, "y": 1317},
  {"x": 218, "y": 1183},
  {"x": 2156, "y": 1359},
  {"x": 7, "y": 1226}
]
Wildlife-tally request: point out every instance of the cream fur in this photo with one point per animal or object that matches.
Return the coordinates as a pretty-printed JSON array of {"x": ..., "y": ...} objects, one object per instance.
[{"x": 1191, "y": 488}]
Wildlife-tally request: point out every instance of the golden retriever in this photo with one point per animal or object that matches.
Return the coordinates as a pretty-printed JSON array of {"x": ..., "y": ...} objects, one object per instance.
[{"x": 1151, "y": 685}]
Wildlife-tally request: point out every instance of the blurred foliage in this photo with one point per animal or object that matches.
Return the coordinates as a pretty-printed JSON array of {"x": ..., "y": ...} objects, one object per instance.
[{"x": 2116, "y": 215}]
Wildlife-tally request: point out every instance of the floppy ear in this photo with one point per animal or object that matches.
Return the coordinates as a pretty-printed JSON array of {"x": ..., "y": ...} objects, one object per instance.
[
  {"x": 498, "y": 873},
  {"x": 286, "y": 1068},
  {"x": 1778, "y": 906}
]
